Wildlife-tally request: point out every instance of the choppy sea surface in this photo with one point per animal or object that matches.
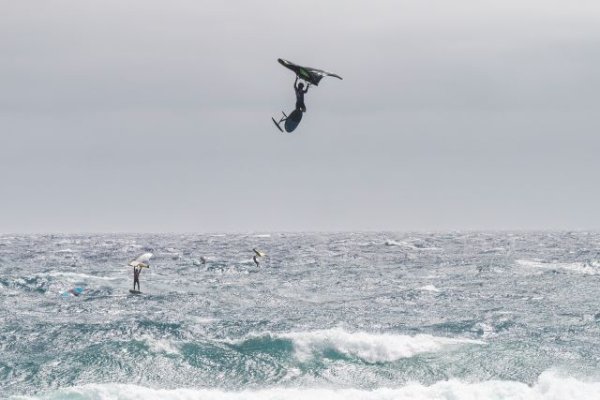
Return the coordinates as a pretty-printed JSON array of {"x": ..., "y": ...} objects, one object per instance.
[{"x": 444, "y": 316}]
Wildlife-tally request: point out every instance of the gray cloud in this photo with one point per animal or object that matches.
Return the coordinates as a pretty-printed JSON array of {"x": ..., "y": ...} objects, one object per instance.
[{"x": 154, "y": 116}]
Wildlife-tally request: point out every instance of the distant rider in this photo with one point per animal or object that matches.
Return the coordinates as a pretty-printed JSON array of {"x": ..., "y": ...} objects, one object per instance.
[
  {"x": 257, "y": 255},
  {"x": 300, "y": 91},
  {"x": 136, "y": 277}
]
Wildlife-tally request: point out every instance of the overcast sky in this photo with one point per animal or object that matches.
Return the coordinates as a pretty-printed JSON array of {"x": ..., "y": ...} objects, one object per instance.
[{"x": 156, "y": 115}]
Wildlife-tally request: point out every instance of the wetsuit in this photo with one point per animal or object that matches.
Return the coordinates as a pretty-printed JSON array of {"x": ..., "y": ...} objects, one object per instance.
[
  {"x": 256, "y": 261},
  {"x": 300, "y": 97},
  {"x": 136, "y": 277}
]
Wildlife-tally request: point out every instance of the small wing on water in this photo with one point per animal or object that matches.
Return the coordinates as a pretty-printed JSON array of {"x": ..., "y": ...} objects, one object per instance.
[
  {"x": 311, "y": 75},
  {"x": 142, "y": 261},
  {"x": 73, "y": 292}
]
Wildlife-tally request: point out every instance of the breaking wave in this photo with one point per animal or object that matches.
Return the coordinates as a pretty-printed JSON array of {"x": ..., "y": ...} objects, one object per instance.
[
  {"x": 577, "y": 267},
  {"x": 369, "y": 347},
  {"x": 549, "y": 386}
]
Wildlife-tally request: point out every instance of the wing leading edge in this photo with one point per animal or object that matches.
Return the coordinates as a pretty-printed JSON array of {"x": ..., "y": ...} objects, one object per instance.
[{"x": 311, "y": 75}]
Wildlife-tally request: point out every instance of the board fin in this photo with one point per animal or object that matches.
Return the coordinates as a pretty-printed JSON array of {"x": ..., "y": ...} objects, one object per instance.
[{"x": 277, "y": 125}]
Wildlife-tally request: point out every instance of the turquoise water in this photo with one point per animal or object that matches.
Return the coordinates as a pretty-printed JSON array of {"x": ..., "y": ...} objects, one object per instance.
[{"x": 340, "y": 316}]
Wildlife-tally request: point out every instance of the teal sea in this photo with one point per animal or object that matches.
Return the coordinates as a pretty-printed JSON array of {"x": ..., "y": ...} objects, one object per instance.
[{"x": 440, "y": 316}]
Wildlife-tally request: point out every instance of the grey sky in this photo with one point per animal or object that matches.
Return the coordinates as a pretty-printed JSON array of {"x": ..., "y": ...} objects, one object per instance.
[{"x": 155, "y": 115}]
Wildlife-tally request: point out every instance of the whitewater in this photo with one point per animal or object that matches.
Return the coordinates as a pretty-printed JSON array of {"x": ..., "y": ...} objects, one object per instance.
[{"x": 376, "y": 316}]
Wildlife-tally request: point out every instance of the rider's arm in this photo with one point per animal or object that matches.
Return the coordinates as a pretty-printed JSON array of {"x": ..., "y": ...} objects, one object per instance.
[
  {"x": 296, "y": 82},
  {"x": 307, "y": 86}
]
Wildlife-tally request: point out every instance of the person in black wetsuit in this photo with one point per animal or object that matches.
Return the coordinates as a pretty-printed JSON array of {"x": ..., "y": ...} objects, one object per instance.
[
  {"x": 300, "y": 91},
  {"x": 136, "y": 277}
]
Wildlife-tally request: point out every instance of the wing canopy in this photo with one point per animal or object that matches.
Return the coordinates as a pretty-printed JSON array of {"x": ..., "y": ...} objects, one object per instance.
[
  {"x": 311, "y": 75},
  {"x": 142, "y": 261}
]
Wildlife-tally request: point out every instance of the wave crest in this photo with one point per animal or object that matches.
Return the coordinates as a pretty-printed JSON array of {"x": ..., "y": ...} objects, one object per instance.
[{"x": 369, "y": 347}]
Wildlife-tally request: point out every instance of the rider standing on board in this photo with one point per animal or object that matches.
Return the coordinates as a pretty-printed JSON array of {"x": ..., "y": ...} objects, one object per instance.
[
  {"x": 136, "y": 277},
  {"x": 300, "y": 91}
]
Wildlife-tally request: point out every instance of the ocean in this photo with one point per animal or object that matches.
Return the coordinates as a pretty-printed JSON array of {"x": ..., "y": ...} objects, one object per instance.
[{"x": 431, "y": 316}]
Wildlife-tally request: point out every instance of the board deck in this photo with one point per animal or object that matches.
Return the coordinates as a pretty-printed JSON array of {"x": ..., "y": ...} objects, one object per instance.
[
  {"x": 134, "y": 291},
  {"x": 293, "y": 120}
]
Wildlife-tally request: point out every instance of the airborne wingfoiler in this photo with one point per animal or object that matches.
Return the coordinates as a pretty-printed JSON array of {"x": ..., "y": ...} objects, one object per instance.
[{"x": 311, "y": 76}]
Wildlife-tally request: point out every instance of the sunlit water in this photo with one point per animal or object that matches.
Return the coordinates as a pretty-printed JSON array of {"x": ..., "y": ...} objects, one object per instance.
[{"x": 325, "y": 316}]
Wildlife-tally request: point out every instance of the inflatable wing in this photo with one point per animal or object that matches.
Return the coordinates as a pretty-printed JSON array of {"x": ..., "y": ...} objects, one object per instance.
[
  {"x": 142, "y": 261},
  {"x": 259, "y": 253},
  {"x": 311, "y": 75}
]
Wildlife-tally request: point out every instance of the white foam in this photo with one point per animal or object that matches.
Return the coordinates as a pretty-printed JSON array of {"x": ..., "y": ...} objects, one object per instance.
[
  {"x": 577, "y": 267},
  {"x": 406, "y": 245},
  {"x": 550, "y": 386},
  {"x": 486, "y": 330},
  {"x": 390, "y": 242},
  {"x": 75, "y": 275},
  {"x": 370, "y": 347},
  {"x": 64, "y": 251},
  {"x": 160, "y": 345},
  {"x": 430, "y": 288},
  {"x": 202, "y": 320}
]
